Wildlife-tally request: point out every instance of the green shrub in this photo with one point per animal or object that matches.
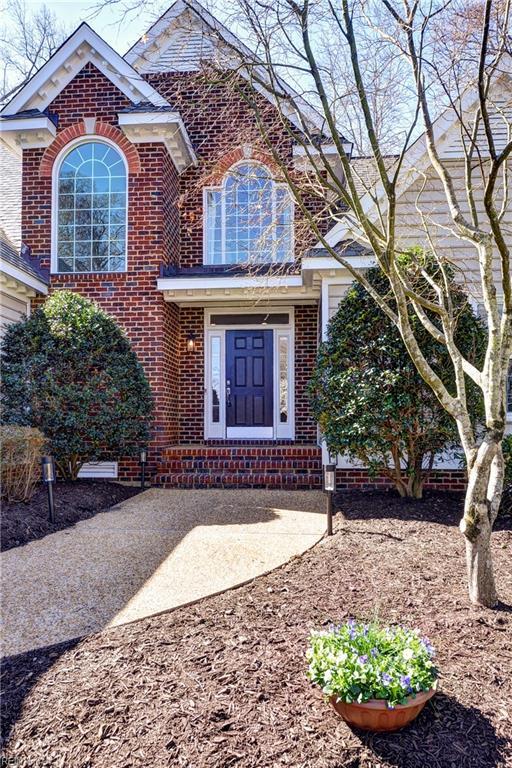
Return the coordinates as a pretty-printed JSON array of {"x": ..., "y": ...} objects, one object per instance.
[
  {"x": 506, "y": 501},
  {"x": 370, "y": 401},
  {"x": 358, "y": 662},
  {"x": 69, "y": 370},
  {"x": 21, "y": 449}
]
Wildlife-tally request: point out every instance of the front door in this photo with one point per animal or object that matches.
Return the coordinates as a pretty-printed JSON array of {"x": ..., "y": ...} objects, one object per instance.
[{"x": 249, "y": 383}]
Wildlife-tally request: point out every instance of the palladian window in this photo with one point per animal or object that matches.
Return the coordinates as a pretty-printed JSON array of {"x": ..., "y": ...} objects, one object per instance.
[
  {"x": 91, "y": 209},
  {"x": 249, "y": 218}
]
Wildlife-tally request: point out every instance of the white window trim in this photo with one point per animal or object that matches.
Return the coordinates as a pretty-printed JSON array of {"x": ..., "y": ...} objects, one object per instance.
[
  {"x": 279, "y": 431},
  {"x": 221, "y": 188},
  {"x": 55, "y": 202}
]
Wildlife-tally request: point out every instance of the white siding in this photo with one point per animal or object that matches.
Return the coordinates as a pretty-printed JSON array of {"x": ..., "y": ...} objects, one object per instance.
[
  {"x": 500, "y": 120},
  {"x": 426, "y": 195},
  {"x": 12, "y": 309}
]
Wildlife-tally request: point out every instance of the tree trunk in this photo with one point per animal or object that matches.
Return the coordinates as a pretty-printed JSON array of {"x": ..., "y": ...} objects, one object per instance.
[{"x": 485, "y": 485}]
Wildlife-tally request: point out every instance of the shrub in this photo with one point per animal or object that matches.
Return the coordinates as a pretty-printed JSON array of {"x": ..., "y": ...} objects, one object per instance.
[
  {"x": 358, "y": 662},
  {"x": 70, "y": 371},
  {"x": 371, "y": 403},
  {"x": 21, "y": 449},
  {"x": 506, "y": 501}
]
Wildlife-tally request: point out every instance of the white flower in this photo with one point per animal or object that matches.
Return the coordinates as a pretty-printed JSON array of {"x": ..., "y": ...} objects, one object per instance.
[
  {"x": 408, "y": 653},
  {"x": 327, "y": 675},
  {"x": 341, "y": 657}
]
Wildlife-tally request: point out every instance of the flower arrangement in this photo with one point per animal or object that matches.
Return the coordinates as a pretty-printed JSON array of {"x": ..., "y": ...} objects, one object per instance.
[{"x": 356, "y": 662}]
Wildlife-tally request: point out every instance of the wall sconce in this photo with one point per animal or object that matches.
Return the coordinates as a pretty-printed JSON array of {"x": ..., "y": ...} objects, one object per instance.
[
  {"x": 143, "y": 457},
  {"x": 191, "y": 342},
  {"x": 48, "y": 467},
  {"x": 329, "y": 488}
]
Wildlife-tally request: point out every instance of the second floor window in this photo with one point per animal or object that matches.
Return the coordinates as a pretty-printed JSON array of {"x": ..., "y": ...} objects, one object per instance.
[
  {"x": 91, "y": 209},
  {"x": 249, "y": 218}
]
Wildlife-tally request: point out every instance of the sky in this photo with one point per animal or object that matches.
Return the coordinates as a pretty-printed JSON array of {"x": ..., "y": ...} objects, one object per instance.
[{"x": 108, "y": 23}]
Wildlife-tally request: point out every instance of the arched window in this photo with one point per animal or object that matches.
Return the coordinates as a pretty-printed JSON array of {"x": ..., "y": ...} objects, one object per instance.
[
  {"x": 249, "y": 218},
  {"x": 91, "y": 209}
]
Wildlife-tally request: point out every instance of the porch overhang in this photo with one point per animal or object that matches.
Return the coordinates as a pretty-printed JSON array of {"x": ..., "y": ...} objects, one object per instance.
[{"x": 202, "y": 290}]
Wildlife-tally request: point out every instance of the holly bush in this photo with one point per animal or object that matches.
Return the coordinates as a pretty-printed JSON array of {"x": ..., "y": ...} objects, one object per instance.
[
  {"x": 369, "y": 399},
  {"x": 69, "y": 370}
]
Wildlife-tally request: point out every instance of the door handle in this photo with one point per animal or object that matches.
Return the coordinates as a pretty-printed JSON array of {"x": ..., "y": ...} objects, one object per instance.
[{"x": 228, "y": 393}]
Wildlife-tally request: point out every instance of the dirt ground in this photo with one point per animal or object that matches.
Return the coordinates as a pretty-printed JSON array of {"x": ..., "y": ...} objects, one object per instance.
[
  {"x": 22, "y": 522},
  {"x": 222, "y": 683}
]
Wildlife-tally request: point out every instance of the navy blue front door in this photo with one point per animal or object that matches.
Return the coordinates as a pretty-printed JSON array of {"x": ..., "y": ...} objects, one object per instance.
[{"x": 249, "y": 379}]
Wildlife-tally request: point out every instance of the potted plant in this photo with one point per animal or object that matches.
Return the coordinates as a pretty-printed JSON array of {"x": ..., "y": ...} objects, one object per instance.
[{"x": 376, "y": 677}]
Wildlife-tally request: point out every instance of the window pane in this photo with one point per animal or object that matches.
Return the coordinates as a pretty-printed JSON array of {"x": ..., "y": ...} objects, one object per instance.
[
  {"x": 216, "y": 370},
  {"x": 249, "y": 219},
  {"x": 92, "y": 209},
  {"x": 65, "y": 265},
  {"x": 283, "y": 379}
]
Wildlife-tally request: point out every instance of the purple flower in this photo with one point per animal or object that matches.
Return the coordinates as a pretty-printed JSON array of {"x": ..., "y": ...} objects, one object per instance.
[
  {"x": 374, "y": 652},
  {"x": 365, "y": 630},
  {"x": 386, "y": 679},
  {"x": 428, "y": 647},
  {"x": 363, "y": 659},
  {"x": 352, "y": 632},
  {"x": 405, "y": 682}
]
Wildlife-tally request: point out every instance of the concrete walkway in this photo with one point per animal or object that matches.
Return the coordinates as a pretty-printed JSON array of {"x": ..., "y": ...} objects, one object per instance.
[{"x": 155, "y": 551}]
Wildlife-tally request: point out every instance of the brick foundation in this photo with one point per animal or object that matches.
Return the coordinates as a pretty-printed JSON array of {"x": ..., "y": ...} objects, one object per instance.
[{"x": 440, "y": 480}]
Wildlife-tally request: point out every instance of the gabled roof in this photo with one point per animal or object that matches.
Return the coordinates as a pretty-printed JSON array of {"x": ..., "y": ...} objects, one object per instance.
[
  {"x": 23, "y": 267},
  {"x": 81, "y": 47},
  {"x": 24, "y": 121},
  {"x": 10, "y": 196},
  {"x": 187, "y": 33}
]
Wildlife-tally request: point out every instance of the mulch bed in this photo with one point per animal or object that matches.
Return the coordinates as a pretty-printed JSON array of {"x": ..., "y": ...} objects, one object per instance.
[
  {"x": 221, "y": 683},
  {"x": 26, "y": 521}
]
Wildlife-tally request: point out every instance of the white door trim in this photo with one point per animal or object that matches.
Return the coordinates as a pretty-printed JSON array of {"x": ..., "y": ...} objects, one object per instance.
[{"x": 216, "y": 335}]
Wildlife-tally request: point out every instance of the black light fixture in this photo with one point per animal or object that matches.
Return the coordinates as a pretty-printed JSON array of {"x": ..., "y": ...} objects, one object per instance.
[
  {"x": 48, "y": 467},
  {"x": 329, "y": 488},
  {"x": 191, "y": 342},
  {"x": 143, "y": 457}
]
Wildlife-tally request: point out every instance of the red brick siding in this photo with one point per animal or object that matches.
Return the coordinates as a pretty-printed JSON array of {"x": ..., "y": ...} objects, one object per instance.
[
  {"x": 164, "y": 226},
  {"x": 306, "y": 343},
  {"x": 78, "y": 130},
  {"x": 219, "y": 124},
  {"x": 443, "y": 480},
  {"x": 192, "y": 376},
  {"x": 151, "y": 324}
]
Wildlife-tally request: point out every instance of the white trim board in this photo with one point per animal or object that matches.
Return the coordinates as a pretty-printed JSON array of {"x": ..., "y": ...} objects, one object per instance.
[
  {"x": 278, "y": 431},
  {"x": 24, "y": 278},
  {"x": 84, "y": 45},
  {"x": 55, "y": 202}
]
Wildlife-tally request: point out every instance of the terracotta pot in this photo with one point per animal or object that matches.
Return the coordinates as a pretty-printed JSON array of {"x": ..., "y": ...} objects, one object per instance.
[{"x": 375, "y": 715}]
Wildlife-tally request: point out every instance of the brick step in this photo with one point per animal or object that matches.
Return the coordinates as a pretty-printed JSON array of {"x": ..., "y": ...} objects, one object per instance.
[
  {"x": 241, "y": 451},
  {"x": 257, "y": 464},
  {"x": 279, "y": 480}
]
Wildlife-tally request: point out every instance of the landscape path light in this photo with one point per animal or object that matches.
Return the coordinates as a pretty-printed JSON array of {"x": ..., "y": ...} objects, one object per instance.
[
  {"x": 329, "y": 488},
  {"x": 143, "y": 457},
  {"x": 48, "y": 467}
]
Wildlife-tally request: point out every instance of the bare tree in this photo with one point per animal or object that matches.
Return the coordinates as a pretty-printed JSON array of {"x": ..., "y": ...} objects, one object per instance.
[
  {"x": 462, "y": 79},
  {"x": 26, "y": 42}
]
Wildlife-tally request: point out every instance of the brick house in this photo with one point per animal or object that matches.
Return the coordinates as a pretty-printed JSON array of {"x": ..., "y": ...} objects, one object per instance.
[{"x": 144, "y": 188}]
